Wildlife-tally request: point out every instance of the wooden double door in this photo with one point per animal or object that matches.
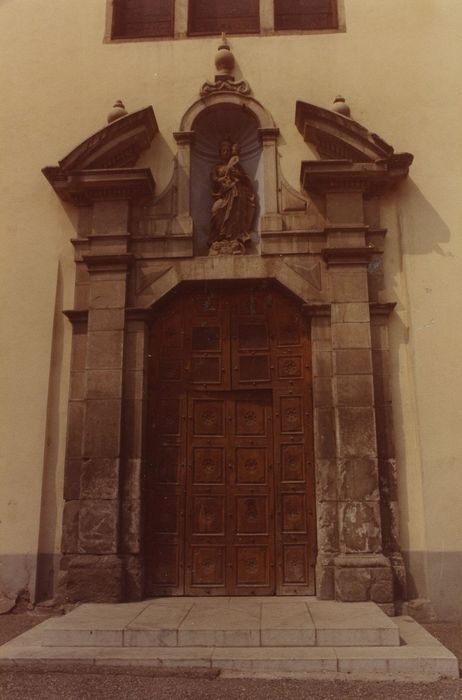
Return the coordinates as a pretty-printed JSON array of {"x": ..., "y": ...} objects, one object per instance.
[{"x": 228, "y": 490}]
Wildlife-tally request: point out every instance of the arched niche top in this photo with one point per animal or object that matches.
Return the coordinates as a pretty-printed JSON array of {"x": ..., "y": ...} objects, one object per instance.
[
  {"x": 337, "y": 137},
  {"x": 245, "y": 102}
]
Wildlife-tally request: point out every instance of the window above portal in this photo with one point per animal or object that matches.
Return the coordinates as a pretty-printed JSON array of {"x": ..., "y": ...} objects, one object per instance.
[{"x": 163, "y": 19}]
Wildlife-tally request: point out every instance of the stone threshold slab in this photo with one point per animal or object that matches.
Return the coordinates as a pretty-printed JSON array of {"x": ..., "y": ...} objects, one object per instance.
[{"x": 223, "y": 622}]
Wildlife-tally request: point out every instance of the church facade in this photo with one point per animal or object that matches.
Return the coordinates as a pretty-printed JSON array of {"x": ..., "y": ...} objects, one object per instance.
[{"x": 238, "y": 374}]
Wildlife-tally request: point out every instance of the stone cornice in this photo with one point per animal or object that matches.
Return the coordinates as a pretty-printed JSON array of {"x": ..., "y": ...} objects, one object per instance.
[
  {"x": 316, "y": 310},
  {"x": 85, "y": 187},
  {"x": 108, "y": 263},
  {"x": 139, "y": 313},
  {"x": 385, "y": 309},
  {"x": 348, "y": 256},
  {"x": 323, "y": 176},
  {"x": 77, "y": 316}
]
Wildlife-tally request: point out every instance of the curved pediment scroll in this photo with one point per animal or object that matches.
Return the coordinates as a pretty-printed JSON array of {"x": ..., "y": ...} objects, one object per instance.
[
  {"x": 103, "y": 163},
  {"x": 337, "y": 137}
]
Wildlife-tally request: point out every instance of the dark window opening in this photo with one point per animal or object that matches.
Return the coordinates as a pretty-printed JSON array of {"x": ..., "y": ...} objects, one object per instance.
[
  {"x": 305, "y": 14},
  {"x": 142, "y": 18},
  {"x": 216, "y": 16}
]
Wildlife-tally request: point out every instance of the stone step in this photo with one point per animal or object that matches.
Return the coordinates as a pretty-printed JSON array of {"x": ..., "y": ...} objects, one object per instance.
[
  {"x": 417, "y": 654},
  {"x": 242, "y": 622},
  {"x": 433, "y": 661}
]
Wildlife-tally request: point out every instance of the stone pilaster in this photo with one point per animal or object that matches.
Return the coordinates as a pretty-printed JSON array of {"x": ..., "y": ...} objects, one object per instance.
[
  {"x": 94, "y": 567},
  {"x": 325, "y": 452},
  {"x": 271, "y": 219},
  {"x": 361, "y": 570},
  {"x": 388, "y": 485},
  {"x": 134, "y": 403}
]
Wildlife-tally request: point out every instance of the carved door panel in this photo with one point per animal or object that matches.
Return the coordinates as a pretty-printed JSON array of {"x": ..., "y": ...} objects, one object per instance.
[
  {"x": 207, "y": 346},
  {"x": 251, "y": 495},
  {"x": 250, "y": 340},
  {"x": 165, "y": 469},
  {"x": 293, "y": 422},
  {"x": 206, "y": 528},
  {"x": 230, "y": 519}
]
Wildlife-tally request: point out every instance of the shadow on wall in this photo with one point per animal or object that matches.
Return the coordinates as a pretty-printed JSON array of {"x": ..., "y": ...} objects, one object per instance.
[
  {"x": 418, "y": 230},
  {"x": 420, "y": 227},
  {"x": 48, "y": 559}
]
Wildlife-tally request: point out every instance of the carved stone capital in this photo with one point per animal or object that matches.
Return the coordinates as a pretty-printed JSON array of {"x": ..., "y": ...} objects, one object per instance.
[
  {"x": 268, "y": 134},
  {"x": 184, "y": 138}
]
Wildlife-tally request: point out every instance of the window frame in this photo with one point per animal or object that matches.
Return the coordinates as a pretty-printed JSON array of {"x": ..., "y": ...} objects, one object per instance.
[
  {"x": 118, "y": 6},
  {"x": 181, "y": 24},
  {"x": 334, "y": 14}
]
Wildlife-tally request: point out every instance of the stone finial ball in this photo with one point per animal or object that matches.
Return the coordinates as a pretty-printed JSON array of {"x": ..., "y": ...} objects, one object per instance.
[
  {"x": 224, "y": 60},
  {"x": 340, "y": 106},
  {"x": 117, "y": 111}
]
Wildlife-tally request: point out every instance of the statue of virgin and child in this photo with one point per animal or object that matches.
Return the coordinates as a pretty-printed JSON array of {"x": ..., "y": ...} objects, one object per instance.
[{"x": 233, "y": 209}]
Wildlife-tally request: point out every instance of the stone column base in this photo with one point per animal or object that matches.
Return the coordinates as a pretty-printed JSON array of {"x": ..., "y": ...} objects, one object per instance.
[
  {"x": 363, "y": 577},
  {"x": 325, "y": 571},
  {"x": 92, "y": 578}
]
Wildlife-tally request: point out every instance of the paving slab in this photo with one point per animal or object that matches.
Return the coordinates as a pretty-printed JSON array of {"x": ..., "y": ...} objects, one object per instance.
[
  {"x": 225, "y": 624},
  {"x": 157, "y": 625},
  {"x": 352, "y": 624},
  {"x": 287, "y": 624}
]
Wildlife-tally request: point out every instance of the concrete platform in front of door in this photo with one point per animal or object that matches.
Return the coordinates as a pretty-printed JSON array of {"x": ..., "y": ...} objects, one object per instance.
[{"x": 282, "y": 635}]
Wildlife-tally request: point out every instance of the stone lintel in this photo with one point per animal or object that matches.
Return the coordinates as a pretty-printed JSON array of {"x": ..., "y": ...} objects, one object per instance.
[
  {"x": 108, "y": 263},
  {"x": 348, "y": 256}
]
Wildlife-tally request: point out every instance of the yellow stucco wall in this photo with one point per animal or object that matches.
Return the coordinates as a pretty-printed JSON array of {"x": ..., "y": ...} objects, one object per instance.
[{"x": 397, "y": 65}]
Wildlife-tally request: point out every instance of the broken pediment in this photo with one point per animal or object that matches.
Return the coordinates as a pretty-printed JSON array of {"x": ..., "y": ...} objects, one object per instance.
[
  {"x": 337, "y": 137},
  {"x": 351, "y": 157},
  {"x": 102, "y": 165}
]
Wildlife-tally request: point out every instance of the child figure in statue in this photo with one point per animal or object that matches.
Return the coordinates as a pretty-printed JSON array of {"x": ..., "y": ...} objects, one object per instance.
[{"x": 233, "y": 210}]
